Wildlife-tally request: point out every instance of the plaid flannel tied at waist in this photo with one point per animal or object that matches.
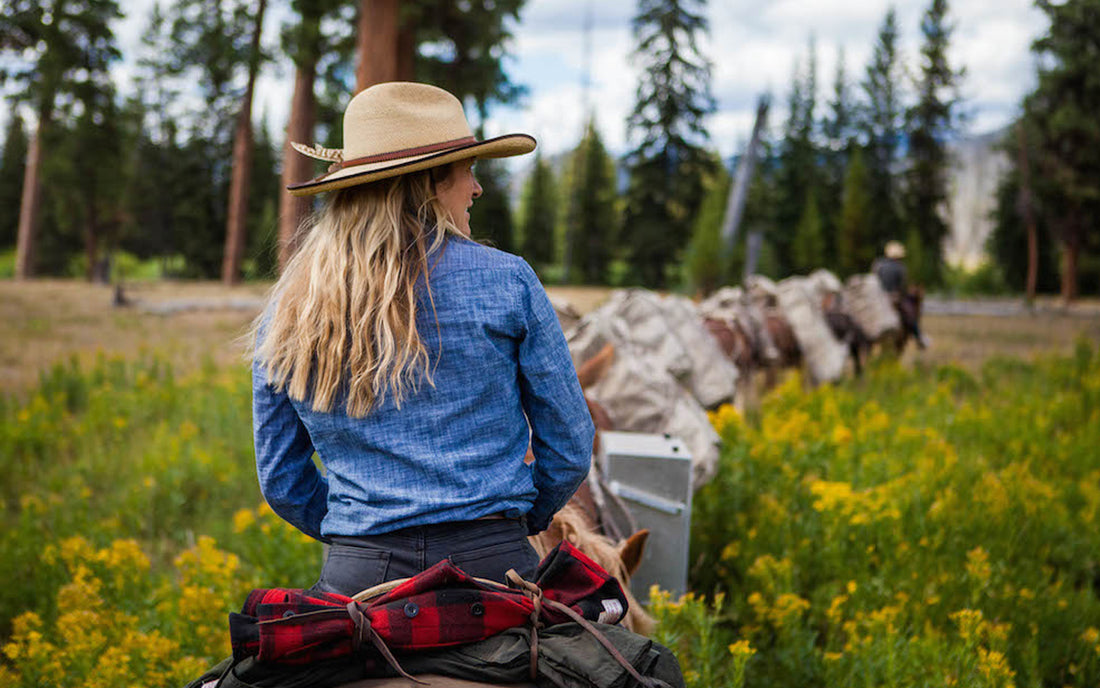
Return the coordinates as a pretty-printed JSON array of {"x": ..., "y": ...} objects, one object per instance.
[{"x": 441, "y": 607}]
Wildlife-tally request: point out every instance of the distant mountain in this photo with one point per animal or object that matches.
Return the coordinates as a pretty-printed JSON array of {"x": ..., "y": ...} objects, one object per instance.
[{"x": 977, "y": 167}]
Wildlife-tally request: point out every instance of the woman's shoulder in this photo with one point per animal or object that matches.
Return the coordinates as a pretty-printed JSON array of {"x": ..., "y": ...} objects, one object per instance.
[{"x": 461, "y": 254}]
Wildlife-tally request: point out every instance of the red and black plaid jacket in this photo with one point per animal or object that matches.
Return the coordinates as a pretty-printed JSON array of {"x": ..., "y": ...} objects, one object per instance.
[{"x": 440, "y": 607}]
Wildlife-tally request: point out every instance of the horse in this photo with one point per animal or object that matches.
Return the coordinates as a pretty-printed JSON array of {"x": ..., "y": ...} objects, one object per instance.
[
  {"x": 747, "y": 351},
  {"x": 735, "y": 342},
  {"x": 846, "y": 329},
  {"x": 909, "y": 304},
  {"x": 585, "y": 525}
]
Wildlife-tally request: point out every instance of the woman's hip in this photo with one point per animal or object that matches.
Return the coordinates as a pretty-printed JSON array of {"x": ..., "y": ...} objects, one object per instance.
[{"x": 483, "y": 548}]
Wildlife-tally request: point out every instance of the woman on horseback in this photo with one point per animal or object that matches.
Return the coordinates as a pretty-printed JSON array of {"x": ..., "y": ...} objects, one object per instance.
[
  {"x": 894, "y": 278},
  {"x": 416, "y": 363}
]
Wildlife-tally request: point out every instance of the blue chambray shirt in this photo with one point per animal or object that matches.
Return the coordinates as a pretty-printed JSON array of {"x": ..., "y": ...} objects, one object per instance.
[{"x": 453, "y": 451}]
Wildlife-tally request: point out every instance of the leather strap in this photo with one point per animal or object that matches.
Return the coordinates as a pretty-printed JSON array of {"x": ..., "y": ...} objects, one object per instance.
[
  {"x": 405, "y": 153},
  {"x": 364, "y": 631},
  {"x": 535, "y": 593}
]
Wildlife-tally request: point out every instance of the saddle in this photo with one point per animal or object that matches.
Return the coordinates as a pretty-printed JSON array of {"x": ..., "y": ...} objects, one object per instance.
[{"x": 443, "y": 622}]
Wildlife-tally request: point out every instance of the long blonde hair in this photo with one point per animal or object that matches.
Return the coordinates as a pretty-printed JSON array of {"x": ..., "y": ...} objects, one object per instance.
[{"x": 345, "y": 308}]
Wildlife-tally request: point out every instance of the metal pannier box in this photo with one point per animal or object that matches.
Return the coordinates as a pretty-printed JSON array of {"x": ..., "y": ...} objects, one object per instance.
[{"x": 652, "y": 474}]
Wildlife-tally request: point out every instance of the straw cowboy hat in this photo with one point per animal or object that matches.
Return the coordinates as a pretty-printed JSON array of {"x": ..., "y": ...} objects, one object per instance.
[
  {"x": 399, "y": 127},
  {"x": 895, "y": 250}
]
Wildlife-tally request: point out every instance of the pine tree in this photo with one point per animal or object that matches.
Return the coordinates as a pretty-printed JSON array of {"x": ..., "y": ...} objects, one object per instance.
[
  {"x": 540, "y": 215},
  {"x": 881, "y": 124},
  {"x": 808, "y": 249},
  {"x": 839, "y": 135},
  {"x": 92, "y": 160},
  {"x": 263, "y": 208},
  {"x": 491, "y": 215},
  {"x": 209, "y": 45},
  {"x": 468, "y": 41},
  {"x": 1007, "y": 243},
  {"x": 703, "y": 259},
  {"x": 798, "y": 159},
  {"x": 1065, "y": 133},
  {"x": 838, "y": 127},
  {"x": 591, "y": 217},
  {"x": 306, "y": 41},
  {"x": 236, "y": 225},
  {"x": 856, "y": 245},
  {"x": 669, "y": 163},
  {"x": 51, "y": 48},
  {"x": 378, "y": 38},
  {"x": 12, "y": 165},
  {"x": 149, "y": 199},
  {"x": 932, "y": 121}
]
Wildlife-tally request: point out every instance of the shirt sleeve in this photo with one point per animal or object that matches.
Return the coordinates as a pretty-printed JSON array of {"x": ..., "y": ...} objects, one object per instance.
[
  {"x": 289, "y": 480},
  {"x": 561, "y": 426}
]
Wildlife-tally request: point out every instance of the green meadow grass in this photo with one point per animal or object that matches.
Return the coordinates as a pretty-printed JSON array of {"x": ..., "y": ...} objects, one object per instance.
[{"x": 916, "y": 527}]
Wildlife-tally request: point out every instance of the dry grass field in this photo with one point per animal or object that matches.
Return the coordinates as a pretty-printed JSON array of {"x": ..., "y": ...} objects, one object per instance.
[
  {"x": 51, "y": 321},
  {"x": 969, "y": 340},
  {"x": 188, "y": 323}
]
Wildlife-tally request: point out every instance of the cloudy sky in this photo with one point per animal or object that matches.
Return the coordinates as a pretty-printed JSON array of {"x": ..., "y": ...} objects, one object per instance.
[{"x": 753, "y": 45}]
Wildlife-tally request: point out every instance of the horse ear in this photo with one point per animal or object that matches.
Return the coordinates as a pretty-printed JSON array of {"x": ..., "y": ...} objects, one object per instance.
[
  {"x": 594, "y": 368},
  {"x": 631, "y": 550}
]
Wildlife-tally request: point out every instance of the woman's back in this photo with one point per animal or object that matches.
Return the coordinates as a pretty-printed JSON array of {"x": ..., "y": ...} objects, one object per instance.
[{"x": 453, "y": 449}]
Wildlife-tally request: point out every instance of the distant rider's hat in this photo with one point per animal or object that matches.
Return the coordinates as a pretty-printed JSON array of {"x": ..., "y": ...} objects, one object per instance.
[
  {"x": 399, "y": 127},
  {"x": 895, "y": 250}
]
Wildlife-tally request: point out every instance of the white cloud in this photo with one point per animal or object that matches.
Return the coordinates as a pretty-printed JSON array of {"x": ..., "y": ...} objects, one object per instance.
[{"x": 753, "y": 45}]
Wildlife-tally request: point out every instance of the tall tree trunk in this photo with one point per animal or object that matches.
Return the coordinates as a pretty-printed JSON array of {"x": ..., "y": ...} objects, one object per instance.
[
  {"x": 30, "y": 205},
  {"x": 377, "y": 43},
  {"x": 1028, "y": 214},
  {"x": 91, "y": 242},
  {"x": 296, "y": 167},
  {"x": 242, "y": 166},
  {"x": 1071, "y": 249},
  {"x": 406, "y": 53}
]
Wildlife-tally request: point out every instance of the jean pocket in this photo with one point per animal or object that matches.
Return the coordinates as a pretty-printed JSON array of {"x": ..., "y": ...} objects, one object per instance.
[
  {"x": 493, "y": 561},
  {"x": 351, "y": 570}
]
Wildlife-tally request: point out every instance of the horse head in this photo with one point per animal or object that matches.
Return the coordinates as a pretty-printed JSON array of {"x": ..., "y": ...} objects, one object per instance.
[{"x": 620, "y": 560}]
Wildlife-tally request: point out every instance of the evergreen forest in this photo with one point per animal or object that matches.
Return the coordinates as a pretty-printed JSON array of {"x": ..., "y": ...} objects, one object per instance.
[{"x": 165, "y": 168}]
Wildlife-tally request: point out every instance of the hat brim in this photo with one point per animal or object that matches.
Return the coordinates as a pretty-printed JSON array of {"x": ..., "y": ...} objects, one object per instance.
[{"x": 499, "y": 147}]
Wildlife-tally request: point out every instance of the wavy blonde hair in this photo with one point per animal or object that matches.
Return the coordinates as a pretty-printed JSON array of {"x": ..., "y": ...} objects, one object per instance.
[{"x": 345, "y": 308}]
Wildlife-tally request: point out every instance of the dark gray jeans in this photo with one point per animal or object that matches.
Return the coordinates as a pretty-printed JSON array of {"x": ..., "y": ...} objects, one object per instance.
[{"x": 485, "y": 549}]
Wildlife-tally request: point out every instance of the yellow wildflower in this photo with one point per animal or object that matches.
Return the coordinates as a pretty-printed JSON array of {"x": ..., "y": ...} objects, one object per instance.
[
  {"x": 841, "y": 435},
  {"x": 834, "y": 613},
  {"x": 188, "y": 430},
  {"x": 742, "y": 648},
  {"x": 970, "y": 623},
  {"x": 32, "y": 505},
  {"x": 994, "y": 666},
  {"x": 977, "y": 564},
  {"x": 788, "y": 607},
  {"x": 242, "y": 520}
]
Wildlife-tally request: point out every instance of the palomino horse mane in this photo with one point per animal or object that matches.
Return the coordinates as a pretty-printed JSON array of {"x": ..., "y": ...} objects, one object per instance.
[{"x": 619, "y": 560}]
